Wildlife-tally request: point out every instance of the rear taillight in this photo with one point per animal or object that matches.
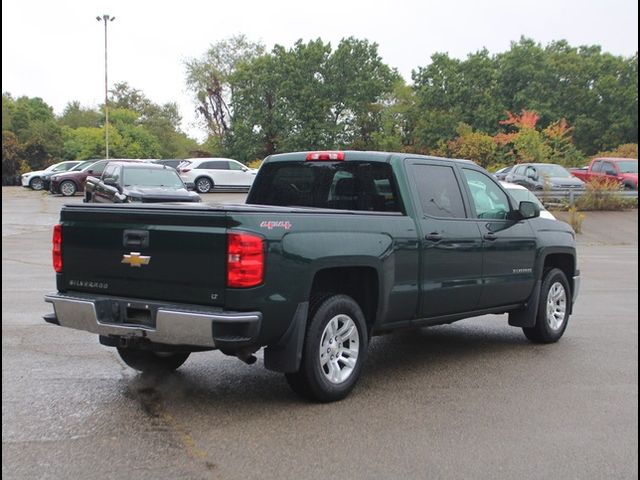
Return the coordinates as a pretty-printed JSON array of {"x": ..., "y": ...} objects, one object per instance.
[
  {"x": 57, "y": 248},
  {"x": 325, "y": 156},
  {"x": 245, "y": 260}
]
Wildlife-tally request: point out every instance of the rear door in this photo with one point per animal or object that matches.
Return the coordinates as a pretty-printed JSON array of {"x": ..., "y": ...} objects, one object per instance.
[
  {"x": 450, "y": 243},
  {"x": 218, "y": 171},
  {"x": 508, "y": 246},
  {"x": 175, "y": 254}
]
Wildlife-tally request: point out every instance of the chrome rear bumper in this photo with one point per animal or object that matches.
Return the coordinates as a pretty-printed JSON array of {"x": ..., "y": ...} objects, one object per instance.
[{"x": 168, "y": 323}]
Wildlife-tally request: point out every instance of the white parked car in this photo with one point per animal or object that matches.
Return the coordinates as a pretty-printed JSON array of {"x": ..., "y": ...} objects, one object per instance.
[
  {"x": 520, "y": 194},
  {"x": 208, "y": 174},
  {"x": 34, "y": 180}
]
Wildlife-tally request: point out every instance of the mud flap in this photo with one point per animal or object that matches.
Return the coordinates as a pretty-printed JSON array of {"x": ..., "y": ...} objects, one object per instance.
[
  {"x": 526, "y": 316},
  {"x": 286, "y": 355}
]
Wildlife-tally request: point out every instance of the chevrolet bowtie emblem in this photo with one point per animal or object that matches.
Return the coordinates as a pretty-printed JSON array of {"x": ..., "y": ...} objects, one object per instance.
[{"x": 134, "y": 259}]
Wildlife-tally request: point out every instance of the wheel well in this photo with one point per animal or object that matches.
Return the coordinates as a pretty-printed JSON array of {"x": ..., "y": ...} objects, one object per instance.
[
  {"x": 360, "y": 283},
  {"x": 564, "y": 262},
  {"x": 204, "y": 176}
]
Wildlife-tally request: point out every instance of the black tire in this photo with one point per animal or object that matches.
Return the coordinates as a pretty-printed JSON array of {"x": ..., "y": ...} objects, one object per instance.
[
  {"x": 36, "y": 183},
  {"x": 150, "y": 361},
  {"x": 68, "y": 188},
  {"x": 312, "y": 380},
  {"x": 547, "y": 329},
  {"x": 204, "y": 185}
]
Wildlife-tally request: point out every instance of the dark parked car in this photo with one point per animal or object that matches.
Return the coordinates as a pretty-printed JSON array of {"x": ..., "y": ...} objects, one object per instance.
[
  {"x": 537, "y": 176},
  {"x": 125, "y": 182},
  {"x": 69, "y": 183}
]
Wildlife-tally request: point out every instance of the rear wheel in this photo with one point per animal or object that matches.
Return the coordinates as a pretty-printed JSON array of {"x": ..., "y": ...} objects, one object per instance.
[
  {"x": 68, "y": 188},
  {"x": 334, "y": 351},
  {"x": 553, "y": 309},
  {"x": 36, "y": 183},
  {"x": 203, "y": 185},
  {"x": 150, "y": 361}
]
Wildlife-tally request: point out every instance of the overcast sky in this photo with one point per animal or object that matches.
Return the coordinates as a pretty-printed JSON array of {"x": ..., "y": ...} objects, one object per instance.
[{"x": 55, "y": 49}]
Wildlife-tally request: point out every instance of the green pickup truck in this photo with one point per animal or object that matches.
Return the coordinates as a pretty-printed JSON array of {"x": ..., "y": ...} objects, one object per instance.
[{"x": 330, "y": 249}]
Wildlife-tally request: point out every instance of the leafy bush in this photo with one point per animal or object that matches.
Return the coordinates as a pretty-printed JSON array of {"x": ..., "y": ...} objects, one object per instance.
[
  {"x": 627, "y": 150},
  {"x": 602, "y": 195},
  {"x": 255, "y": 163}
]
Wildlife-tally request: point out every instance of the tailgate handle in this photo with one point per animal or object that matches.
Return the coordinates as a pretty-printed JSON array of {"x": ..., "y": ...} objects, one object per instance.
[{"x": 135, "y": 238}]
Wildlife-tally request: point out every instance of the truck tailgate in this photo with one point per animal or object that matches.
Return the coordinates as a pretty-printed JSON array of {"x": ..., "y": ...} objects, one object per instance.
[{"x": 175, "y": 254}]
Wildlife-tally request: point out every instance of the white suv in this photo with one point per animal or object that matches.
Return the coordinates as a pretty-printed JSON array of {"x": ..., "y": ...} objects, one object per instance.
[{"x": 208, "y": 174}]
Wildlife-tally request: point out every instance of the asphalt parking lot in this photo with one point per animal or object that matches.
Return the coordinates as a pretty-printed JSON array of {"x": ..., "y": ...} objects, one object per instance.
[{"x": 470, "y": 400}]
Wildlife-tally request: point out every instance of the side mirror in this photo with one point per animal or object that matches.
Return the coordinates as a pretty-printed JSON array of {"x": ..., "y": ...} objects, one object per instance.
[
  {"x": 532, "y": 175},
  {"x": 528, "y": 210},
  {"x": 90, "y": 172},
  {"x": 244, "y": 169},
  {"x": 110, "y": 181},
  {"x": 190, "y": 186}
]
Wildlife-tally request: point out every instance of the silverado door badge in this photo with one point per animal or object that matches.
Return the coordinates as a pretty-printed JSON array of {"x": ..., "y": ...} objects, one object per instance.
[{"x": 134, "y": 259}]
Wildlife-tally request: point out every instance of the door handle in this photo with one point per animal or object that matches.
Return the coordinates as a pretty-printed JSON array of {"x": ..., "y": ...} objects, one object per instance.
[
  {"x": 434, "y": 237},
  {"x": 490, "y": 236}
]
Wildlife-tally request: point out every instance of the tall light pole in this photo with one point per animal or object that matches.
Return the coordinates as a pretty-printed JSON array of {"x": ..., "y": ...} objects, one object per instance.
[{"x": 106, "y": 19}]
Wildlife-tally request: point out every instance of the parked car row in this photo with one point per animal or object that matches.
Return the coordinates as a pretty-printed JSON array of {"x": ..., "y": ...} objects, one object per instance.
[
  {"x": 35, "y": 180},
  {"x": 539, "y": 176},
  {"x": 205, "y": 174}
]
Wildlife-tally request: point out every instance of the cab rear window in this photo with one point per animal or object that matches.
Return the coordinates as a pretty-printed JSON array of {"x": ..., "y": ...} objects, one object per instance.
[{"x": 361, "y": 186}]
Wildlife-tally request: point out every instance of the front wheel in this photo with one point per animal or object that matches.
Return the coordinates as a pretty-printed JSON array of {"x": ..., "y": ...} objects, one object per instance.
[
  {"x": 150, "y": 361},
  {"x": 36, "y": 183},
  {"x": 553, "y": 309},
  {"x": 68, "y": 188},
  {"x": 204, "y": 185},
  {"x": 334, "y": 351}
]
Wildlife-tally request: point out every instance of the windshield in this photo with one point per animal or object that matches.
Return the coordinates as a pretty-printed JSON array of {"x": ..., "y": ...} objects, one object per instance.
[
  {"x": 628, "y": 166},
  {"x": 88, "y": 165},
  {"x": 81, "y": 165},
  {"x": 553, "y": 171},
  {"x": 524, "y": 195},
  {"x": 151, "y": 177},
  {"x": 63, "y": 167}
]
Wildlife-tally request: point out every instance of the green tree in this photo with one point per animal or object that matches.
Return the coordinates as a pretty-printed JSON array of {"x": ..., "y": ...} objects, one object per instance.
[
  {"x": 11, "y": 157},
  {"x": 8, "y": 109},
  {"x": 209, "y": 79},
  {"x": 75, "y": 116}
]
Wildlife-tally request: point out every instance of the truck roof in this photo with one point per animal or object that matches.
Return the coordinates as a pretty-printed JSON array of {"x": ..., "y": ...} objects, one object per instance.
[
  {"x": 614, "y": 159},
  {"x": 358, "y": 155}
]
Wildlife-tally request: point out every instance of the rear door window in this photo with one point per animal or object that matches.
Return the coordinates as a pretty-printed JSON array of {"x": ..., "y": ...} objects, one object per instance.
[
  {"x": 439, "y": 192},
  {"x": 214, "y": 165}
]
